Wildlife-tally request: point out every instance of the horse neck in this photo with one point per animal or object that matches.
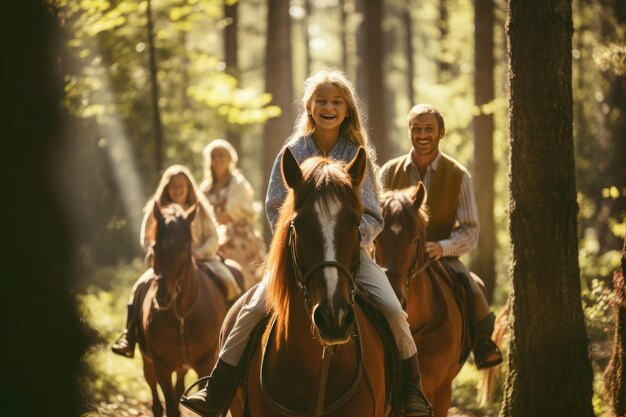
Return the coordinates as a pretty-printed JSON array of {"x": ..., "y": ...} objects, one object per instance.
[
  {"x": 189, "y": 287},
  {"x": 420, "y": 300}
]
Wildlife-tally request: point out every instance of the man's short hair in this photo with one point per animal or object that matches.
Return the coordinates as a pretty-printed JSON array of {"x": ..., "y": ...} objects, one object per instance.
[{"x": 425, "y": 108}]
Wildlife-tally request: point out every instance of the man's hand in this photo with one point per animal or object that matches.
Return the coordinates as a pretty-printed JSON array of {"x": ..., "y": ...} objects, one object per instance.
[{"x": 434, "y": 249}]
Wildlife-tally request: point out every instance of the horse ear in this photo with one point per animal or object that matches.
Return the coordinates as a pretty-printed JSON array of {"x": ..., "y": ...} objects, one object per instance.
[
  {"x": 190, "y": 214},
  {"x": 356, "y": 167},
  {"x": 418, "y": 195},
  {"x": 156, "y": 211},
  {"x": 291, "y": 169}
]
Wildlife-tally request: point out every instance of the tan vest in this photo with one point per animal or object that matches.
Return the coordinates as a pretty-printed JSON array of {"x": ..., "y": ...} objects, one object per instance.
[{"x": 443, "y": 195}]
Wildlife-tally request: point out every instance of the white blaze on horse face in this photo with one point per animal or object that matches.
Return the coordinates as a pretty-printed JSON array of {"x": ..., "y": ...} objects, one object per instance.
[
  {"x": 396, "y": 228},
  {"x": 327, "y": 215}
]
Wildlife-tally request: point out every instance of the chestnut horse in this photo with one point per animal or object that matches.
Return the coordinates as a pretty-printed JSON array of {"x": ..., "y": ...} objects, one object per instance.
[
  {"x": 425, "y": 290},
  {"x": 320, "y": 354},
  {"x": 182, "y": 313}
]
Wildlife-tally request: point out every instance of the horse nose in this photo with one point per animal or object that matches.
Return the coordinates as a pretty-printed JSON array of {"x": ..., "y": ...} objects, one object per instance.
[
  {"x": 163, "y": 298},
  {"x": 334, "y": 325}
]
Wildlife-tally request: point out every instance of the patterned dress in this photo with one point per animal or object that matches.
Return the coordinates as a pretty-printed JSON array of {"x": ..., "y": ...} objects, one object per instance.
[{"x": 238, "y": 239}]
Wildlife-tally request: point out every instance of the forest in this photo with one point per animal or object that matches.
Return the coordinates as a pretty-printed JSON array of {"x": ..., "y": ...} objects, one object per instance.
[{"x": 533, "y": 94}]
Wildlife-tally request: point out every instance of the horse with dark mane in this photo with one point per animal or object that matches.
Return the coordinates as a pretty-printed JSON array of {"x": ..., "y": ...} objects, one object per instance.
[
  {"x": 320, "y": 353},
  {"x": 182, "y": 312},
  {"x": 425, "y": 290}
]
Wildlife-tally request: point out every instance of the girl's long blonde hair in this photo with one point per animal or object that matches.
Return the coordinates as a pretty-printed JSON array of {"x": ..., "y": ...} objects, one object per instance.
[{"x": 353, "y": 126}]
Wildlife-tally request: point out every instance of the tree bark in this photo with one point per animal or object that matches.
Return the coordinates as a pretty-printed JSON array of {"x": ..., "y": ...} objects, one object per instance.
[
  {"x": 278, "y": 82},
  {"x": 370, "y": 78},
  {"x": 614, "y": 376},
  {"x": 483, "y": 260},
  {"x": 550, "y": 371}
]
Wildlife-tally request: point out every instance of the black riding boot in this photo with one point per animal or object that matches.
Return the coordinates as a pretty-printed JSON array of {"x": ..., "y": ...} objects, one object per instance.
[
  {"x": 486, "y": 352},
  {"x": 207, "y": 401},
  {"x": 415, "y": 402},
  {"x": 125, "y": 344}
]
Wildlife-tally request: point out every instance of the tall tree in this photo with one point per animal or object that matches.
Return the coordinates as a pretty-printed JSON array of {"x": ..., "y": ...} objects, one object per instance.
[
  {"x": 231, "y": 58},
  {"x": 343, "y": 22},
  {"x": 38, "y": 311},
  {"x": 308, "y": 14},
  {"x": 443, "y": 65},
  {"x": 483, "y": 261},
  {"x": 370, "y": 79},
  {"x": 278, "y": 82},
  {"x": 614, "y": 376},
  {"x": 157, "y": 126},
  {"x": 410, "y": 59},
  {"x": 551, "y": 373}
]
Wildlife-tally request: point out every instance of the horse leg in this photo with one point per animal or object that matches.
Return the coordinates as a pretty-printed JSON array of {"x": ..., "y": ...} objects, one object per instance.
[
  {"x": 164, "y": 376},
  {"x": 441, "y": 400},
  {"x": 151, "y": 379},
  {"x": 180, "y": 383}
]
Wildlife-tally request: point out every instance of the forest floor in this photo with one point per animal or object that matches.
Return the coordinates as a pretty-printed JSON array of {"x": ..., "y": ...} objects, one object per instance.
[{"x": 122, "y": 409}]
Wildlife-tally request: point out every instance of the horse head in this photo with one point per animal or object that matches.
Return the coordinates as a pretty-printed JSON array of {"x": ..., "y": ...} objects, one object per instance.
[
  {"x": 400, "y": 246},
  {"x": 318, "y": 228},
  {"x": 172, "y": 251}
]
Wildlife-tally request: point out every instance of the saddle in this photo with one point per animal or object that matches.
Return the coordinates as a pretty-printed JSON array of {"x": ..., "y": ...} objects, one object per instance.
[
  {"x": 234, "y": 269},
  {"x": 393, "y": 363}
]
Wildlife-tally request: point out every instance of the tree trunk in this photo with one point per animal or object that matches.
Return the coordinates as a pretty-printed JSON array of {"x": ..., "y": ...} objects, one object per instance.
[
  {"x": 231, "y": 59},
  {"x": 483, "y": 260},
  {"x": 408, "y": 33},
  {"x": 614, "y": 376},
  {"x": 307, "y": 39},
  {"x": 157, "y": 126},
  {"x": 278, "y": 82},
  {"x": 45, "y": 339},
  {"x": 342, "y": 31},
  {"x": 370, "y": 78},
  {"x": 550, "y": 373},
  {"x": 442, "y": 63}
]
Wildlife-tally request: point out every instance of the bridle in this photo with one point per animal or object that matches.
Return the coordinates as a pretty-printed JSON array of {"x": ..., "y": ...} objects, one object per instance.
[
  {"x": 413, "y": 270},
  {"x": 177, "y": 286},
  {"x": 303, "y": 278},
  {"x": 173, "y": 305}
]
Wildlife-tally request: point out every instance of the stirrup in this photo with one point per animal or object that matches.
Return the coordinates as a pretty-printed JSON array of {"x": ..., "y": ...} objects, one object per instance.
[
  {"x": 122, "y": 346},
  {"x": 488, "y": 348},
  {"x": 184, "y": 399}
]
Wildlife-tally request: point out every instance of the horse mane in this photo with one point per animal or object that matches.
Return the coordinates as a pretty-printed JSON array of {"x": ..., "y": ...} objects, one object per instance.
[{"x": 326, "y": 178}]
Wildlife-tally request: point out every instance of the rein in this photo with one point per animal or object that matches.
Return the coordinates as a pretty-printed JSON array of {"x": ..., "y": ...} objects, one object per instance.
[
  {"x": 412, "y": 273},
  {"x": 327, "y": 353}
]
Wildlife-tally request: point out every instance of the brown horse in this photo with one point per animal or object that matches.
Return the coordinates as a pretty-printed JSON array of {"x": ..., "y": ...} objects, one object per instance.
[
  {"x": 321, "y": 354},
  {"x": 182, "y": 313},
  {"x": 425, "y": 290}
]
